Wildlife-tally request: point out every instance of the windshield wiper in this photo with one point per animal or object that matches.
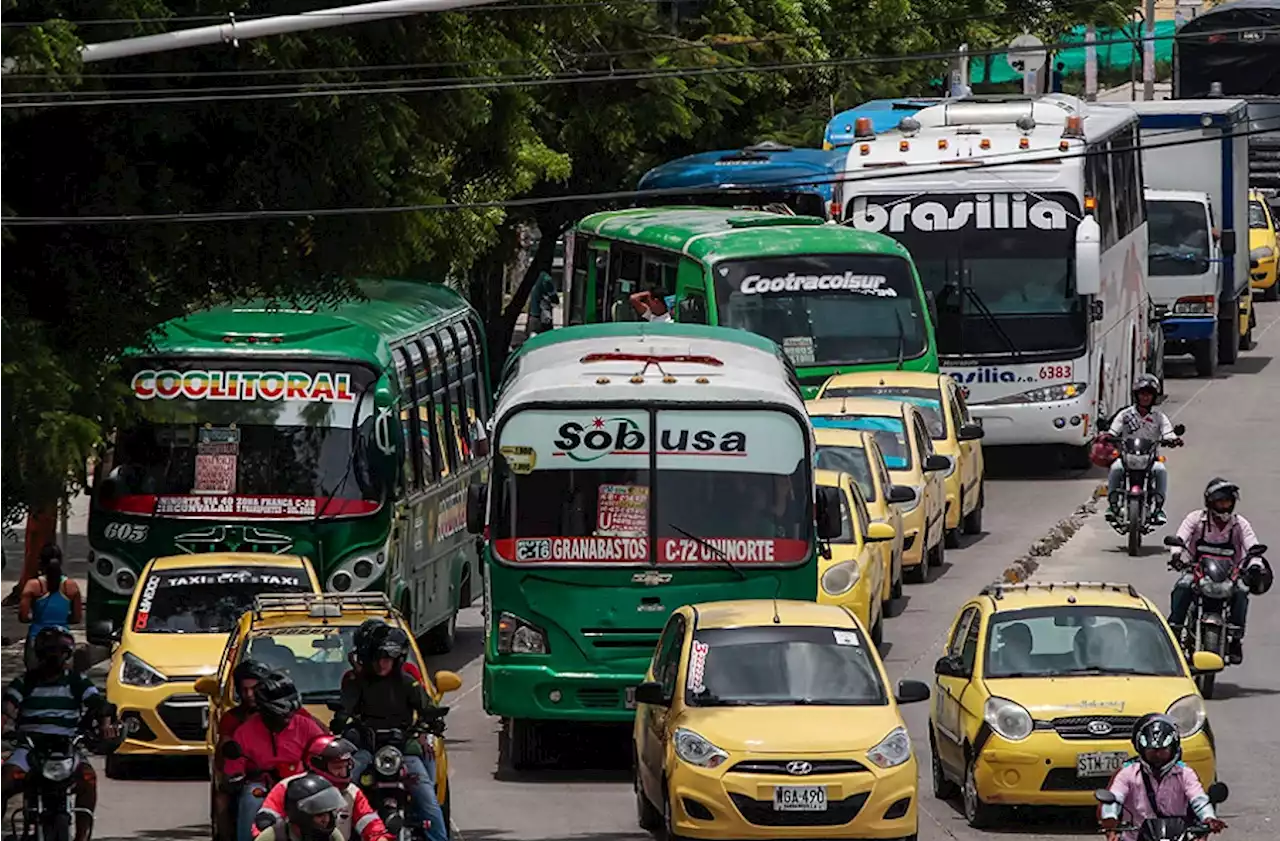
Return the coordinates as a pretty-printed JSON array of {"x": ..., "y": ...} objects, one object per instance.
[
  {"x": 705, "y": 545},
  {"x": 902, "y": 337},
  {"x": 1101, "y": 670},
  {"x": 986, "y": 313}
]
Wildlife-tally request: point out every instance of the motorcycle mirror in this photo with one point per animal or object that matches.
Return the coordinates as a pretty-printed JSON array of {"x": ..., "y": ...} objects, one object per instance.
[
  {"x": 1104, "y": 795},
  {"x": 1173, "y": 540},
  {"x": 1257, "y": 550},
  {"x": 1218, "y": 793},
  {"x": 1178, "y": 429}
]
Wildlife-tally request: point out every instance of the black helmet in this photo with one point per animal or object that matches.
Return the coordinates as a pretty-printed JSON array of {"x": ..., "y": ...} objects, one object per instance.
[
  {"x": 360, "y": 639},
  {"x": 277, "y": 699},
  {"x": 248, "y": 670},
  {"x": 1146, "y": 382},
  {"x": 1155, "y": 731},
  {"x": 53, "y": 647},
  {"x": 309, "y": 798},
  {"x": 1220, "y": 490},
  {"x": 390, "y": 642}
]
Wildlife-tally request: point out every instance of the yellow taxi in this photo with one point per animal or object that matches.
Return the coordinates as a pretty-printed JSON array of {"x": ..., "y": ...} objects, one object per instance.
[
  {"x": 856, "y": 573},
  {"x": 1264, "y": 250},
  {"x": 1039, "y": 688},
  {"x": 907, "y": 450},
  {"x": 174, "y": 632},
  {"x": 856, "y": 453},
  {"x": 954, "y": 434},
  {"x": 772, "y": 720},
  {"x": 309, "y": 636}
]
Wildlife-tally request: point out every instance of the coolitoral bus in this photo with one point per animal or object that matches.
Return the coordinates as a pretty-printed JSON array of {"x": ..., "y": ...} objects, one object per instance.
[
  {"x": 1026, "y": 221},
  {"x": 345, "y": 434},
  {"x": 637, "y": 468}
]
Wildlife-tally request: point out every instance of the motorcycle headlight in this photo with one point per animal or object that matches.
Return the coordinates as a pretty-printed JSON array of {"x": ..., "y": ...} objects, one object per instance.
[
  {"x": 134, "y": 671},
  {"x": 696, "y": 750},
  {"x": 1137, "y": 461},
  {"x": 893, "y": 750},
  {"x": 1046, "y": 394},
  {"x": 908, "y": 507},
  {"x": 1189, "y": 714},
  {"x": 1008, "y": 719},
  {"x": 1216, "y": 589},
  {"x": 388, "y": 760},
  {"x": 1262, "y": 252},
  {"x": 840, "y": 578},
  {"x": 57, "y": 770},
  {"x": 518, "y": 636}
]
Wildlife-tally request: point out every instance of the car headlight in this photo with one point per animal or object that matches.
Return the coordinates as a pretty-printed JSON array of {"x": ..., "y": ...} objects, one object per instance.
[
  {"x": 908, "y": 507},
  {"x": 519, "y": 636},
  {"x": 893, "y": 750},
  {"x": 57, "y": 770},
  {"x": 1009, "y": 720},
  {"x": 134, "y": 671},
  {"x": 1189, "y": 714},
  {"x": 1045, "y": 394},
  {"x": 388, "y": 761},
  {"x": 1262, "y": 252},
  {"x": 840, "y": 578},
  {"x": 696, "y": 750}
]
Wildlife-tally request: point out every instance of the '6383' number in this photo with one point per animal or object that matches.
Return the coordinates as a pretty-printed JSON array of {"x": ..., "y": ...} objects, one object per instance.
[{"x": 1055, "y": 372}]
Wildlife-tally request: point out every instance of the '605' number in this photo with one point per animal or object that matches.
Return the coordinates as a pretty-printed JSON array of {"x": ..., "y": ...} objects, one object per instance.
[
  {"x": 125, "y": 532},
  {"x": 1055, "y": 372}
]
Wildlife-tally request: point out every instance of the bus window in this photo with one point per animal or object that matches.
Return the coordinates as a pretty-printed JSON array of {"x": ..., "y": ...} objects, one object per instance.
[
  {"x": 422, "y": 412},
  {"x": 692, "y": 309},
  {"x": 453, "y": 376},
  {"x": 577, "y": 287},
  {"x": 600, "y": 276},
  {"x": 471, "y": 391},
  {"x": 626, "y": 272},
  {"x": 408, "y": 427},
  {"x": 444, "y": 459},
  {"x": 481, "y": 401}
]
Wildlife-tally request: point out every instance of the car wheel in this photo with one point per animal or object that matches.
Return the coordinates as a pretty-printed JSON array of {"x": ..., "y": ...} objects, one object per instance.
[
  {"x": 939, "y": 554},
  {"x": 877, "y": 631},
  {"x": 649, "y": 818},
  {"x": 668, "y": 816},
  {"x": 951, "y": 537},
  {"x": 973, "y": 520},
  {"x": 1272, "y": 292},
  {"x": 917, "y": 574},
  {"x": 117, "y": 767},
  {"x": 977, "y": 813},
  {"x": 895, "y": 590},
  {"x": 943, "y": 788}
]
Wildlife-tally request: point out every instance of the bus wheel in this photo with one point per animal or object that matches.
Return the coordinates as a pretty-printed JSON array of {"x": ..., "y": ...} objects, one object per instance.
[
  {"x": 524, "y": 744},
  {"x": 441, "y": 638}
]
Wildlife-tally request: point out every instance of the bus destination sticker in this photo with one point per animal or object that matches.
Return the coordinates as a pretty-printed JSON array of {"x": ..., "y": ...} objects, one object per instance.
[{"x": 622, "y": 511}]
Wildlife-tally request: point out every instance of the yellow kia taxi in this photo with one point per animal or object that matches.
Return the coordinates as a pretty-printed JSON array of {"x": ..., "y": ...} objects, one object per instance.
[
  {"x": 174, "y": 631},
  {"x": 907, "y": 450},
  {"x": 856, "y": 575},
  {"x": 1264, "y": 250},
  {"x": 954, "y": 434},
  {"x": 856, "y": 453},
  {"x": 1039, "y": 688},
  {"x": 309, "y": 636},
  {"x": 772, "y": 720}
]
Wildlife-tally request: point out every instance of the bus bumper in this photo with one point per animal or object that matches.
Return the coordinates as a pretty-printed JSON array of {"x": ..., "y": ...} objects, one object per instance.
[
  {"x": 1067, "y": 422},
  {"x": 540, "y": 692},
  {"x": 1188, "y": 328}
]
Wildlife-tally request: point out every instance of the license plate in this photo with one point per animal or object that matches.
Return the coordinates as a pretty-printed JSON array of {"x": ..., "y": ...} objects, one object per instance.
[
  {"x": 631, "y": 698},
  {"x": 1101, "y": 764},
  {"x": 800, "y": 798}
]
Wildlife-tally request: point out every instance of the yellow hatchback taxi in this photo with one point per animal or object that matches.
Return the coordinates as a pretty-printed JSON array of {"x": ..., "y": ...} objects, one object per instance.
[
  {"x": 174, "y": 632},
  {"x": 1264, "y": 250},
  {"x": 907, "y": 451},
  {"x": 772, "y": 720},
  {"x": 856, "y": 574},
  {"x": 1039, "y": 689},
  {"x": 954, "y": 434}
]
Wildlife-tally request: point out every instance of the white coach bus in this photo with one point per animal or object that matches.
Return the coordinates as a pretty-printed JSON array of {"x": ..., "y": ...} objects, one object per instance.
[{"x": 1026, "y": 219}]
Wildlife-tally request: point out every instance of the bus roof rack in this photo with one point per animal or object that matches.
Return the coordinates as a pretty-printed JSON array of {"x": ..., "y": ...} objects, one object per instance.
[
  {"x": 997, "y": 589},
  {"x": 320, "y": 605}
]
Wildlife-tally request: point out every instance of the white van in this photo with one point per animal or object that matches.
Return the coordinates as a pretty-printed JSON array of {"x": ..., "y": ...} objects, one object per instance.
[{"x": 1184, "y": 271}]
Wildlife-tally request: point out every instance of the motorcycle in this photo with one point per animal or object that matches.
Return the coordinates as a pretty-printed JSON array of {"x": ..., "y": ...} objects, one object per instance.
[
  {"x": 1139, "y": 456},
  {"x": 261, "y": 782},
  {"x": 1167, "y": 829},
  {"x": 1213, "y": 582}
]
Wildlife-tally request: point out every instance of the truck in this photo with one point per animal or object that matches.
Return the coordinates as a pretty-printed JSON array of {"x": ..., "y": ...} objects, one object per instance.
[
  {"x": 1184, "y": 273},
  {"x": 1202, "y": 145}
]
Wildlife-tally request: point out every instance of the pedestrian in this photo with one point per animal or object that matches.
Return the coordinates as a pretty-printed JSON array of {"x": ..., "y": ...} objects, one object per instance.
[
  {"x": 50, "y": 600},
  {"x": 1055, "y": 81},
  {"x": 542, "y": 300}
]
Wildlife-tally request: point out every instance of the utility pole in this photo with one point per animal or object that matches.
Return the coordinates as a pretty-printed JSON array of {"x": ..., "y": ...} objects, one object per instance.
[
  {"x": 1149, "y": 52},
  {"x": 1090, "y": 63}
]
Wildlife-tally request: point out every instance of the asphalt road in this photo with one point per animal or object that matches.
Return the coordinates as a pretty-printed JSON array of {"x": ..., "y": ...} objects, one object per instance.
[{"x": 1231, "y": 422}]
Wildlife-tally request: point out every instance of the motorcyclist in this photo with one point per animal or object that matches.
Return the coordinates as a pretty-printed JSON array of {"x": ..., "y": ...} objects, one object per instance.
[
  {"x": 360, "y": 642},
  {"x": 332, "y": 758},
  {"x": 313, "y": 808},
  {"x": 1217, "y": 530},
  {"x": 1157, "y": 784},
  {"x": 271, "y": 744},
  {"x": 245, "y": 678},
  {"x": 49, "y": 701},
  {"x": 382, "y": 695},
  {"x": 1143, "y": 420}
]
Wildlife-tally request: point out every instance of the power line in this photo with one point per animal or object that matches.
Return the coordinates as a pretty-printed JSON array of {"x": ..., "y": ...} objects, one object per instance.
[{"x": 996, "y": 160}]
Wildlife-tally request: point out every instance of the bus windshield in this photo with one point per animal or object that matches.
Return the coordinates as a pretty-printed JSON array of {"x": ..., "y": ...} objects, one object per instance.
[
  {"x": 589, "y": 488},
  {"x": 1178, "y": 238},
  {"x": 825, "y": 309},
  {"x": 999, "y": 266},
  {"x": 215, "y": 438}
]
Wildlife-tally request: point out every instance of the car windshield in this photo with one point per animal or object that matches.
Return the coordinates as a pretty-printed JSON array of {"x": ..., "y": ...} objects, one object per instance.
[
  {"x": 851, "y": 460},
  {"x": 314, "y": 656},
  {"x": 1177, "y": 238},
  {"x": 890, "y": 435},
  {"x": 927, "y": 400},
  {"x": 783, "y": 666},
  {"x": 1079, "y": 640},
  {"x": 1257, "y": 215},
  {"x": 208, "y": 601}
]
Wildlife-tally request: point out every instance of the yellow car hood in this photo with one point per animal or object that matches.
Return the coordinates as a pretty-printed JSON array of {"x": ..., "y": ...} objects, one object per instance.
[
  {"x": 178, "y": 655},
  {"x": 1047, "y": 698},
  {"x": 792, "y": 730}
]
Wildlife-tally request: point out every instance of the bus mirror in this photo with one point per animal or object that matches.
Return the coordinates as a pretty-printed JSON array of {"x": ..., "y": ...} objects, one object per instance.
[
  {"x": 475, "y": 508},
  {"x": 828, "y": 516},
  {"x": 1088, "y": 257}
]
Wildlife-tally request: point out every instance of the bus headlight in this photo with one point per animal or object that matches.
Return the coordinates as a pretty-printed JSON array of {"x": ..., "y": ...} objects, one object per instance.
[
  {"x": 840, "y": 578},
  {"x": 1046, "y": 394},
  {"x": 518, "y": 636},
  {"x": 113, "y": 574},
  {"x": 359, "y": 570}
]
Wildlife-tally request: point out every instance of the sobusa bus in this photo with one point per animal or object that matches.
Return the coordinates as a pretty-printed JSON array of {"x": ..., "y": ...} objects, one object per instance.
[
  {"x": 835, "y": 299},
  {"x": 637, "y": 468},
  {"x": 348, "y": 435}
]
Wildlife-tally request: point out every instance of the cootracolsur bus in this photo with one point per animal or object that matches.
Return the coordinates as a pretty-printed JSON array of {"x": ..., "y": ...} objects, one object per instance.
[
  {"x": 1026, "y": 221},
  {"x": 835, "y": 299},
  {"x": 348, "y": 435},
  {"x": 637, "y": 468}
]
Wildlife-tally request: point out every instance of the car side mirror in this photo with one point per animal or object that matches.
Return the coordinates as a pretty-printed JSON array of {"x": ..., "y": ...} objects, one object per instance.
[
  {"x": 880, "y": 532},
  {"x": 901, "y": 493},
  {"x": 828, "y": 514},
  {"x": 1206, "y": 662},
  {"x": 971, "y": 432},
  {"x": 1088, "y": 257},
  {"x": 935, "y": 462},
  {"x": 207, "y": 685},
  {"x": 446, "y": 681},
  {"x": 1104, "y": 795},
  {"x": 475, "y": 508},
  {"x": 1173, "y": 540},
  {"x": 650, "y": 692},
  {"x": 1178, "y": 429},
  {"x": 1218, "y": 793},
  {"x": 950, "y": 666},
  {"x": 911, "y": 692},
  {"x": 102, "y": 632}
]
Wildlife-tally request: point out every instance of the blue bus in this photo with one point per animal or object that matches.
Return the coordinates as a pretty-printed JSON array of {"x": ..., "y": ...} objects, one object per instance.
[{"x": 885, "y": 114}]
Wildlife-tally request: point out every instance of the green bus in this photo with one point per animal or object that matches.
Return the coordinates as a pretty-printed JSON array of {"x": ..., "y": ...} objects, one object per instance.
[
  {"x": 347, "y": 434},
  {"x": 835, "y": 299},
  {"x": 637, "y": 468}
]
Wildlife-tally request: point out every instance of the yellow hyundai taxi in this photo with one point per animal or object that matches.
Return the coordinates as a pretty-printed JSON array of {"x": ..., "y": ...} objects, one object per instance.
[
  {"x": 1264, "y": 250},
  {"x": 174, "y": 631},
  {"x": 856, "y": 453},
  {"x": 856, "y": 575},
  {"x": 1039, "y": 688},
  {"x": 772, "y": 720},
  {"x": 907, "y": 450},
  {"x": 954, "y": 434},
  {"x": 309, "y": 636}
]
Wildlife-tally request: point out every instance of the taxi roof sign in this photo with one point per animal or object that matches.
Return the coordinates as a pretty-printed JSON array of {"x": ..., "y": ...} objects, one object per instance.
[
  {"x": 999, "y": 588},
  {"x": 320, "y": 605}
]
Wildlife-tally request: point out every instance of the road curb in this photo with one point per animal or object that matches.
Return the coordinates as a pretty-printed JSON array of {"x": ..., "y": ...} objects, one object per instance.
[{"x": 1025, "y": 566}]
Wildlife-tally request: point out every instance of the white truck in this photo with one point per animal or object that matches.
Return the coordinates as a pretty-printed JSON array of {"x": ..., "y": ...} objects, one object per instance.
[{"x": 1184, "y": 273}]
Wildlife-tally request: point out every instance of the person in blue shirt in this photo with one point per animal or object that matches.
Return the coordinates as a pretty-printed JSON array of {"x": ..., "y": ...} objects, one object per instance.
[{"x": 50, "y": 600}]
